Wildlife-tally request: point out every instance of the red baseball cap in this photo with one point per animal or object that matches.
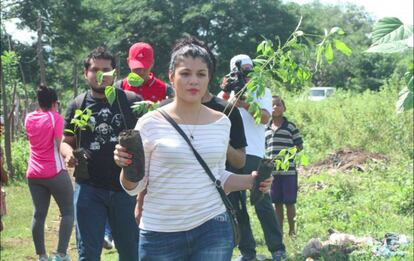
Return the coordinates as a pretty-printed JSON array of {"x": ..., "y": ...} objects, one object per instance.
[{"x": 141, "y": 55}]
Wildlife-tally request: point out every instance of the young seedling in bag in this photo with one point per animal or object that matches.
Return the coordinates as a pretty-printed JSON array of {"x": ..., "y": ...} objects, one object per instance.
[
  {"x": 263, "y": 172},
  {"x": 131, "y": 140},
  {"x": 80, "y": 122}
]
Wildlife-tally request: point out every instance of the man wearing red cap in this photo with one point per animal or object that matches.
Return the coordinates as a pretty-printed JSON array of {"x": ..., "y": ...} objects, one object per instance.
[{"x": 140, "y": 61}]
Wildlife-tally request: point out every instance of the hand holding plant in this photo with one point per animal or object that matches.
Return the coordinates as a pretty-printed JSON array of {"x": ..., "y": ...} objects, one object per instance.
[{"x": 80, "y": 122}]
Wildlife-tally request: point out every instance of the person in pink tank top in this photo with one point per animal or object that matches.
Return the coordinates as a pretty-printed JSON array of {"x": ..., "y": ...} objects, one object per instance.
[{"x": 46, "y": 172}]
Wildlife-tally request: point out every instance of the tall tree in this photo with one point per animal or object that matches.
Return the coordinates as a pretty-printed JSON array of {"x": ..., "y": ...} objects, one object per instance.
[{"x": 229, "y": 27}]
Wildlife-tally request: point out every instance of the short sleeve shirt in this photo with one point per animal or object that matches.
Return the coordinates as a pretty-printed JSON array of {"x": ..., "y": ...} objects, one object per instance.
[
  {"x": 286, "y": 136},
  {"x": 42, "y": 128},
  {"x": 107, "y": 121}
]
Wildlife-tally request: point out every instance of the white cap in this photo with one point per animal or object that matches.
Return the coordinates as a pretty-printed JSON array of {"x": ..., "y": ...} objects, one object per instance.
[{"x": 245, "y": 59}]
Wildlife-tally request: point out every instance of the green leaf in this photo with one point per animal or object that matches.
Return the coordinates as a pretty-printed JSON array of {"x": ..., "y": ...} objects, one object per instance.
[
  {"x": 337, "y": 30},
  {"x": 134, "y": 79},
  {"x": 405, "y": 101},
  {"x": 110, "y": 94},
  {"x": 282, "y": 153},
  {"x": 261, "y": 47},
  {"x": 304, "y": 160},
  {"x": 78, "y": 113},
  {"x": 278, "y": 164},
  {"x": 110, "y": 73},
  {"x": 99, "y": 77},
  {"x": 342, "y": 47},
  {"x": 292, "y": 150},
  {"x": 303, "y": 74},
  {"x": 69, "y": 131},
  {"x": 390, "y": 29},
  {"x": 392, "y": 47},
  {"x": 329, "y": 55},
  {"x": 257, "y": 116}
]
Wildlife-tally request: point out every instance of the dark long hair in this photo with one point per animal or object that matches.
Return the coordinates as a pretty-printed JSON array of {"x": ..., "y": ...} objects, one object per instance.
[
  {"x": 46, "y": 97},
  {"x": 192, "y": 47}
]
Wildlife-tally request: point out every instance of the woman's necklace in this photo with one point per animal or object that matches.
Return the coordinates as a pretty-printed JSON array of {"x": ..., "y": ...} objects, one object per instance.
[{"x": 194, "y": 125}]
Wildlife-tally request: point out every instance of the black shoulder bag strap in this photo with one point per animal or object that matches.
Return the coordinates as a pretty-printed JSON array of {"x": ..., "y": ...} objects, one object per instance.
[{"x": 216, "y": 182}]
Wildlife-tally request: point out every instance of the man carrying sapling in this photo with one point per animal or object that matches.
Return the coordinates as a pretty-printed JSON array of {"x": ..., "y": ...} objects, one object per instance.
[{"x": 98, "y": 195}]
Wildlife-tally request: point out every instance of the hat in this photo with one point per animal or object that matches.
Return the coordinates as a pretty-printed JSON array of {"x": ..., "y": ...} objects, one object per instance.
[
  {"x": 245, "y": 59},
  {"x": 141, "y": 55}
]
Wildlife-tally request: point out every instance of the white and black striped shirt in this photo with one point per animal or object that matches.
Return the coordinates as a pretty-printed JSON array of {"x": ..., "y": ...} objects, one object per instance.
[
  {"x": 180, "y": 196},
  {"x": 286, "y": 136}
]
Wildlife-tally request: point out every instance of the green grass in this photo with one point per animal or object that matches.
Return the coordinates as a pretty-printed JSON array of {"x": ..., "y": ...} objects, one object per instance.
[
  {"x": 368, "y": 203},
  {"x": 16, "y": 238}
]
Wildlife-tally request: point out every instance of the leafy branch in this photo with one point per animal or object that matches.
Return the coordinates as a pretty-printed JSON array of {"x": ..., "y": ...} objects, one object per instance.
[
  {"x": 285, "y": 156},
  {"x": 80, "y": 122},
  {"x": 277, "y": 60},
  {"x": 143, "y": 107}
]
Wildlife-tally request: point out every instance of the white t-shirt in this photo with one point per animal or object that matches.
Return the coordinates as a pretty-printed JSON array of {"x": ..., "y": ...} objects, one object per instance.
[
  {"x": 180, "y": 195},
  {"x": 255, "y": 133}
]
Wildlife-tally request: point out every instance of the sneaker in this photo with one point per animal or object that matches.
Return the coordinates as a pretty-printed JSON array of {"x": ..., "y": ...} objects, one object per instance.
[
  {"x": 108, "y": 243},
  {"x": 279, "y": 255},
  {"x": 57, "y": 257}
]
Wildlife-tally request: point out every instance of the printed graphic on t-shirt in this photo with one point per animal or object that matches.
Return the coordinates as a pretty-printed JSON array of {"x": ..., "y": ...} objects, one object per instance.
[{"x": 105, "y": 125}]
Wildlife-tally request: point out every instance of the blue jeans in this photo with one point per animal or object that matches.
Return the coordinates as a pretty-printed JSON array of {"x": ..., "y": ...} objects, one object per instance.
[
  {"x": 266, "y": 215},
  {"x": 93, "y": 207},
  {"x": 212, "y": 240}
]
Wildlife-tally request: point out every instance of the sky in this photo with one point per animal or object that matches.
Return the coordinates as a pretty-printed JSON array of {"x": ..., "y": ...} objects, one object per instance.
[{"x": 402, "y": 9}]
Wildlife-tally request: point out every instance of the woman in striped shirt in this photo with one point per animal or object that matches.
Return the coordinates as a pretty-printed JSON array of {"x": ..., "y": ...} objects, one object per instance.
[{"x": 183, "y": 215}]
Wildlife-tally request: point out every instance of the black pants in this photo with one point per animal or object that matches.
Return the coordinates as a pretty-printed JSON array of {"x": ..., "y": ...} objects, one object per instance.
[{"x": 265, "y": 213}]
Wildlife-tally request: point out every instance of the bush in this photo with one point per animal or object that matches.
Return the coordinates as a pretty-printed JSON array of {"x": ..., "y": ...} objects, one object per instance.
[
  {"x": 20, "y": 156},
  {"x": 365, "y": 121}
]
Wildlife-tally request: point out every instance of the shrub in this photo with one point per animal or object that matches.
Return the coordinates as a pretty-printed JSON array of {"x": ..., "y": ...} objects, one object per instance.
[{"x": 20, "y": 156}]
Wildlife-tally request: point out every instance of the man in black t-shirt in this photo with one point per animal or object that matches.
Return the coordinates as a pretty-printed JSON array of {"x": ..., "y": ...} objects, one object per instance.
[{"x": 99, "y": 195}]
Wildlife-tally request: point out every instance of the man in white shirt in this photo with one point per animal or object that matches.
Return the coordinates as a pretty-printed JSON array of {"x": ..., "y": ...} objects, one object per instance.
[{"x": 255, "y": 150}]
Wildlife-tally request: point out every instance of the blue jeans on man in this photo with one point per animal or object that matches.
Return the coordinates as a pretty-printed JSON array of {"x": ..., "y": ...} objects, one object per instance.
[
  {"x": 267, "y": 217},
  {"x": 93, "y": 207}
]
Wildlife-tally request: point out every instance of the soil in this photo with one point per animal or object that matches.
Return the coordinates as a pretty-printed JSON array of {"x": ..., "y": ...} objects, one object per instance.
[
  {"x": 131, "y": 140},
  {"x": 344, "y": 160},
  {"x": 81, "y": 170},
  {"x": 264, "y": 172}
]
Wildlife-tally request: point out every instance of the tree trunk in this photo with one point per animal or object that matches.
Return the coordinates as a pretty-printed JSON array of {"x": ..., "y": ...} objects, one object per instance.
[
  {"x": 7, "y": 141},
  {"x": 26, "y": 96},
  {"x": 13, "y": 120},
  {"x": 40, "y": 52}
]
